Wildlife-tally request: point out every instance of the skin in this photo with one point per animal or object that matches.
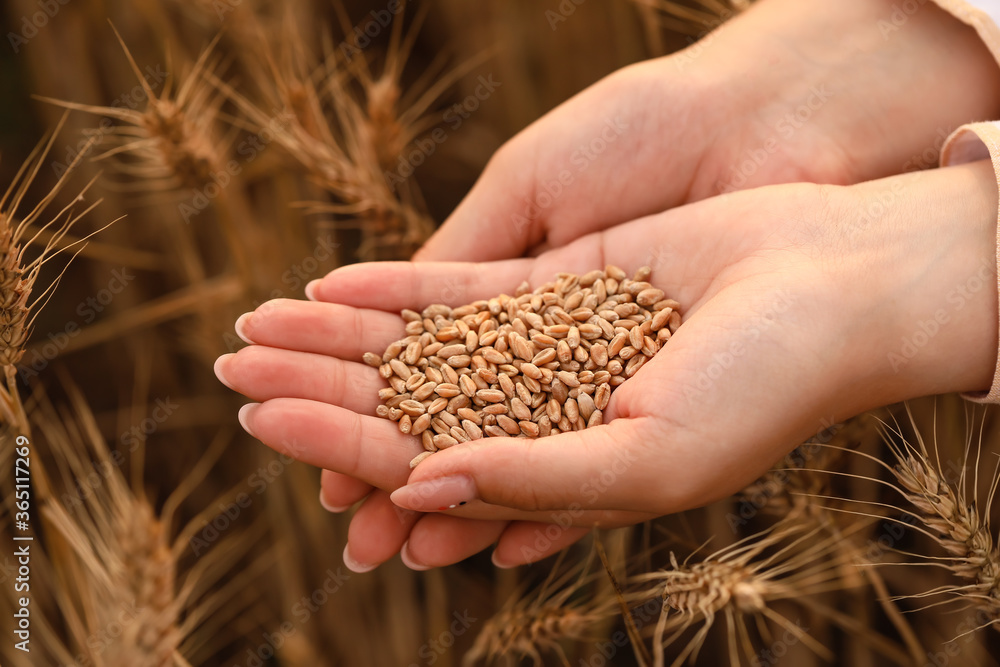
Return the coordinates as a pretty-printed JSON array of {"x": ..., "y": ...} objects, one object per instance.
[{"x": 796, "y": 296}]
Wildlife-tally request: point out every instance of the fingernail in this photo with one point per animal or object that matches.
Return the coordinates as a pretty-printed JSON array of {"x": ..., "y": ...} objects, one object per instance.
[
  {"x": 436, "y": 495},
  {"x": 331, "y": 508},
  {"x": 500, "y": 563},
  {"x": 353, "y": 565},
  {"x": 404, "y": 555},
  {"x": 246, "y": 417},
  {"x": 218, "y": 368},
  {"x": 240, "y": 327},
  {"x": 311, "y": 287}
]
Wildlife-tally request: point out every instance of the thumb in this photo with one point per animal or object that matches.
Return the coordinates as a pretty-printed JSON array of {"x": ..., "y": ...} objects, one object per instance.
[
  {"x": 593, "y": 162},
  {"x": 594, "y": 469},
  {"x": 496, "y": 219}
]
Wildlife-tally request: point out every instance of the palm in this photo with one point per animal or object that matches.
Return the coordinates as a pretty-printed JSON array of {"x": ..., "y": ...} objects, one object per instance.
[
  {"x": 651, "y": 137},
  {"x": 318, "y": 397}
]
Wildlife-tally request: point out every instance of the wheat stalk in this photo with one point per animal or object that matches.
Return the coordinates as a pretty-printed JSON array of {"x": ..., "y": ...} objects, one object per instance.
[
  {"x": 565, "y": 607},
  {"x": 956, "y": 525},
  {"x": 787, "y": 562},
  {"x": 948, "y": 513},
  {"x": 118, "y": 562},
  {"x": 171, "y": 147},
  {"x": 335, "y": 154},
  {"x": 348, "y": 128},
  {"x": 170, "y": 143},
  {"x": 19, "y": 272}
]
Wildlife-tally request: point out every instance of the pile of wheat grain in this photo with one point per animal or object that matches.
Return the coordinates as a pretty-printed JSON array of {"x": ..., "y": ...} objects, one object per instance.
[{"x": 538, "y": 363}]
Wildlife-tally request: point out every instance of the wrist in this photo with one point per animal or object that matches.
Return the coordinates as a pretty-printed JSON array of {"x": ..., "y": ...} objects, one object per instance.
[
  {"x": 929, "y": 248},
  {"x": 848, "y": 97}
]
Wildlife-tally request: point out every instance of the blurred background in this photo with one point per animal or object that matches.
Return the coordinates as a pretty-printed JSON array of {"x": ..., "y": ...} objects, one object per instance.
[{"x": 244, "y": 147}]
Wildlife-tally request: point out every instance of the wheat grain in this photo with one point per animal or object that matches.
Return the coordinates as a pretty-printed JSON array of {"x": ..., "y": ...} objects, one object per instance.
[{"x": 538, "y": 363}]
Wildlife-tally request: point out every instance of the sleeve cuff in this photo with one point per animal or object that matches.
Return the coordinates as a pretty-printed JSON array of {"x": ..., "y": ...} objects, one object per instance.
[
  {"x": 982, "y": 15},
  {"x": 969, "y": 143}
]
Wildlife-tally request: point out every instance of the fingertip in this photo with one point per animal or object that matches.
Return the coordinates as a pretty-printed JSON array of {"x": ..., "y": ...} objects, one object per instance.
[
  {"x": 334, "y": 509},
  {"x": 339, "y": 493},
  {"x": 353, "y": 565},
  {"x": 312, "y": 288},
  {"x": 220, "y": 370},
  {"x": 439, "y": 494},
  {"x": 246, "y": 417},
  {"x": 241, "y": 325},
  {"x": 408, "y": 561},
  {"x": 499, "y": 562}
]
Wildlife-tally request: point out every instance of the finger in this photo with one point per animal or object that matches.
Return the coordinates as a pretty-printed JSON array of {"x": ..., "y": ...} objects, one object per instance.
[
  {"x": 377, "y": 532},
  {"x": 327, "y": 436},
  {"x": 338, "y": 492},
  {"x": 500, "y": 204},
  {"x": 262, "y": 373},
  {"x": 371, "y": 450},
  {"x": 525, "y": 542},
  {"x": 683, "y": 265},
  {"x": 438, "y": 540},
  {"x": 596, "y": 467},
  {"x": 323, "y": 328},
  {"x": 405, "y": 285}
]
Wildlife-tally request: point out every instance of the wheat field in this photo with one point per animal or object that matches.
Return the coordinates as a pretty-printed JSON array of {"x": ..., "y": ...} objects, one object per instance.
[{"x": 171, "y": 164}]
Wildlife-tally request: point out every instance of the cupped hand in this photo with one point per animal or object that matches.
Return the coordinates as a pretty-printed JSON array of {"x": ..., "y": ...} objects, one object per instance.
[
  {"x": 799, "y": 303},
  {"x": 789, "y": 91}
]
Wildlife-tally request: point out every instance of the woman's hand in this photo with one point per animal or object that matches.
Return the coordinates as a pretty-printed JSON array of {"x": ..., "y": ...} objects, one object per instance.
[
  {"x": 803, "y": 305},
  {"x": 789, "y": 91}
]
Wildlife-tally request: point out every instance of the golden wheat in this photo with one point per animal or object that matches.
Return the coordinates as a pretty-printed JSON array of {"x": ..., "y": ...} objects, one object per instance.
[
  {"x": 19, "y": 270},
  {"x": 947, "y": 512},
  {"x": 172, "y": 142},
  {"x": 786, "y": 562},
  {"x": 117, "y": 562},
  {"x": 567, "y": 607}
]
